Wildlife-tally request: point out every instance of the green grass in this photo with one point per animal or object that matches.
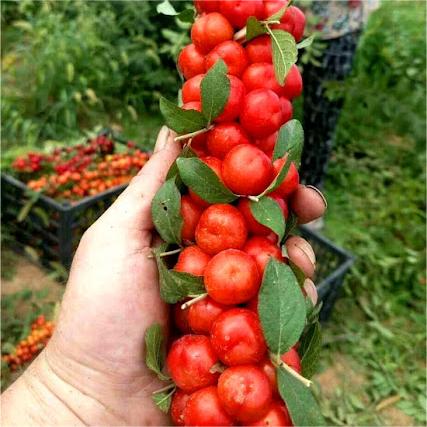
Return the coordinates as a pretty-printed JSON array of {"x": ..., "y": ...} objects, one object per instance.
[{"x": 376, "y": 195}]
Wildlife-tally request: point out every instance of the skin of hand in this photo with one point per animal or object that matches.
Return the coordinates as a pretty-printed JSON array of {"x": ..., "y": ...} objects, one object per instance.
[{"x": 93, "y": 371}]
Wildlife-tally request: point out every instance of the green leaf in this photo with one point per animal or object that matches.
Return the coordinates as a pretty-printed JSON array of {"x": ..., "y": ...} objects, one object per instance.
[
  {"x": 299, "y": 274},
  {"x": 254, "y": 28},
  {"x": 291, "y": 224},
  {"x": 173, "y": 171},
  {"x": 26, "y": 208},
  {"x": 181, "y": 121},
  {"x": 278, "y": 179},
  {"x": 306, "y": 42},
  {"x": 281, "y": 307},
  {"x": 187, "y": 15},
  {"x": 268, "y": 212},
  {"x": 285, "y": 53},
  {"x": 215, "y": 90},
  {"x": 174, "y": 285},
  {"x": 309, "y": 349},
  {"x": 154, "y": 350},
  {"x": 302, "y": 406},
  {"x": 166, "y": 212},
  {"x": 203, "y": 181},
  {"x": 165, "y": 8},
  {"x": 290, "y": 140},
  {"x": 163, "y": 400}
]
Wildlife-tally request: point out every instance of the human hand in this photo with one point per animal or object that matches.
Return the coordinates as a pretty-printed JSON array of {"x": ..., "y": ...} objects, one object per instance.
[{"x": 93, "y": 370}]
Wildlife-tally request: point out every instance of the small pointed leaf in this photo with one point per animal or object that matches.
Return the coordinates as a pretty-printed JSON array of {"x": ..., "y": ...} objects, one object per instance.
[
  {"x": 254, "y": 28},
  {"x": 268, "y": 212},
  {"x": 309, "y": 349},
  {"x": 285, "y": 53},
  {"x": 163, "y": 400},
  {"x": 290, "y": 140},
  {"x": 154, "y": 350},
  {"x": 306, "y": 42}
]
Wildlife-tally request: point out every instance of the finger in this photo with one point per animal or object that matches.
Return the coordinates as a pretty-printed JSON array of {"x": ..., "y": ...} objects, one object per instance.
[
  {"x": 310, "y": 290},
  {"x": 133, "y": 207},
  {"x": 301, "y": 254},
  {"x": 308, "y": 203}
]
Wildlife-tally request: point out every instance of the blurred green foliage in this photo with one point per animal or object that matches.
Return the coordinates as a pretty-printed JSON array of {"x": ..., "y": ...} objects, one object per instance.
[
  {"x": 376, "y": 194},
  {"x": 64, "y": 63}
]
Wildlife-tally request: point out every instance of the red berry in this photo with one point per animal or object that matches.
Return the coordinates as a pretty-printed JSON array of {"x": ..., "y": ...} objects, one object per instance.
[
  {"x": 273, "y": 6},
  {"x": 210, "y": 30},
  {"x": 203, "y": 313},
  {"x": 245, "y": 392},
  {"x": 261, "y": 249},
  {"x": 204, "y": 409},
  {"x": 191, "y": 213},
  {"x": 192, "y": 260},
  {"x": 261, "y": 113},
  {"x": 232, "y": 107},
  {"x": 232, "y": 53},
  {"x": 287, "y": 109},
  {"x": 267, "y": 143},
  {"x": 293, "y": 83},
  {"x": 216, "y": 165},
  {"x": 179, "y": 402},
  {"x": 193, "y": 105},
  {"x": 247, "y": 170},
  {"x": 221, "y": 227},
  {"x": 293, "y": 21},
  {"x": 180, "y": 318},
  {"x": 231, "y": 277},
  {"x": 259, "y": 49},
  {"x": 277, "y": 415},
  {"x": 191, "y": 89},
  {"x": 238, "y": 11},
  {"x": 223, "y": 137},
  {"x": 270, "y": 371},
  {"x": 206, "y": 6},
  {"x": 291, "y": 181},
  {"x": 237, "y": 337},
  {"x": 191, "y": 61},
  {"x": 260, "y": 75},
  {"x": 292, "y": 359},
  {"x": 189, "y": 362}
]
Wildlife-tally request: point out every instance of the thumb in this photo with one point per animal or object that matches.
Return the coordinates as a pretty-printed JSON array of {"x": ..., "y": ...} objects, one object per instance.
[{"x": 133, "y": 206}]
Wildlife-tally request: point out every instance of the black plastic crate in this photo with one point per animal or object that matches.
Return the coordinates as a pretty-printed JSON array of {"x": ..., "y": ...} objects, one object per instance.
[
  {"x": 52, "y": 229},
  {"x": 332, "y": 265}
]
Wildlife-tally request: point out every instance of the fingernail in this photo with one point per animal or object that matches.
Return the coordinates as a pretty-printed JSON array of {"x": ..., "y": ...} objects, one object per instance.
[
  {"x": 307, "y": 249},
  {"x": 319, "y": 193},
  {"x": 310, "y": 290},
  {"x": 162, "y": 139}
]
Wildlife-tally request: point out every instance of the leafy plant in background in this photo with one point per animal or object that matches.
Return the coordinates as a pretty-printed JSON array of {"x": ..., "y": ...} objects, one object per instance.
[{"x": 66, "y": 62}]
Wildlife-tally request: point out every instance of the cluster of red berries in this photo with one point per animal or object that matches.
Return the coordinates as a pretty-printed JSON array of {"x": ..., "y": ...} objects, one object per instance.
[
  {"x": 221, "y": 365},
  {"x": 28, "y": 348},
  {"x": 80, "y": 170}
]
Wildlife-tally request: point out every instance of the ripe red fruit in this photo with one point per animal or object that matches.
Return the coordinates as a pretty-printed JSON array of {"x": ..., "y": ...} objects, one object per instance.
[
  {"x": 260, "y": 75},
  {"x": 231, "y": 277},
  {"x": 203, "y": 313},
  {"x": 270, "y": 371},
  {"x": 232, "y": 53},
  {"x": 245, "y": 392},
  {"x": 204, "y": 409},
  {"x": 178, "y": 404},
  {"x": 192, "y": 105},
  {"x": 206, "y": 6},
  {"x": 259, "y": 50},
  {"x": 189, "y": 362},
  {"x": 237, "y": 337},
  {"x": 292, "y": 359},
  {"x": 190, "y": 212},
  {"x": 247, "y": 170},
  {"x": 223, "y": 137},
  {"x": 238, "y": 11},
  {"x": 232, "y": 107},
  {"x": 210, "y": 30},
  {"x": 191, "y": 61},
  {"x": 261, "y": 250},
  {"x": 261, "y": 113},
  {"x": 291, "y": 181},
  {"x": 216, "y": 165},
  {"x": 293, "y": 83},
  {"x": 221, "y": 227},
  {"x": 277, "y": 415},
  {"x": 267, "y": 143},
  {"x": 191, "y": 89},
  {"x": 293, "y": 21},
  {"x": 180, "y": 318},
  {"x": 192, "y": 260},
  {"x": 287, "y": 109}
]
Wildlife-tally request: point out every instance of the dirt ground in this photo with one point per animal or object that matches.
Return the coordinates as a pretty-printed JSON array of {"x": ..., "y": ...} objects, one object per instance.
[{"x": 342, "y": 374}]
